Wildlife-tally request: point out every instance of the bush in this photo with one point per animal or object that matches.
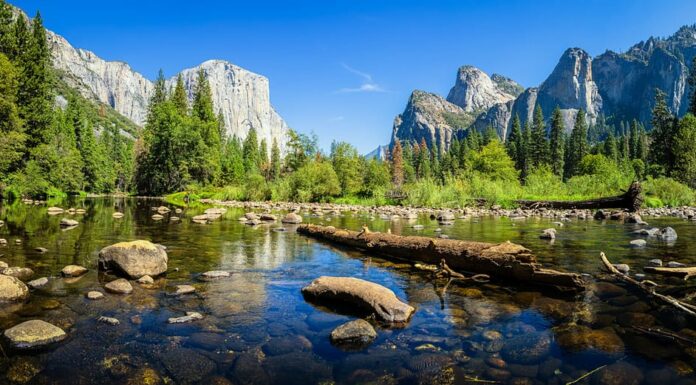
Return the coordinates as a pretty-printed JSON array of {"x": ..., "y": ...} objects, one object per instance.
[
  {"x": 668, "y": 191},
  {"x": 541, "y": 183},
  {"x": 255, "y": 188},
  {"x": 314, "y": 182},
  {"x": 494, "y": 191}
]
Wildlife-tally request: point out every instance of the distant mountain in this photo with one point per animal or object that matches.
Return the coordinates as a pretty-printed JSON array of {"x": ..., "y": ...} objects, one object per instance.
[
  {"x": 619, "y": 86},
  {"x": 241, "y": 95}
]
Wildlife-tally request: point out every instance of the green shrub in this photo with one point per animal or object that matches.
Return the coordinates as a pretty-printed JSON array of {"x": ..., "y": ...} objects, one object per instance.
[
  {"x": 542, "y": 183},
  {"x": 255, "y": 188},
  {"x": 668, "y": 191},
  {"x": 314, "y": 182}
]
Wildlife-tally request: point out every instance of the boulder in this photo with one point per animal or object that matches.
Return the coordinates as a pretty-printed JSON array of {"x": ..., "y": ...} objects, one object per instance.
[
  {"x": 134, "y": 259},
  {"x": 38, "y": 283},
  {"x": 667, "y": 234},
  {"x": 292, "y": 218},
  {"x": 65, "y": 222},
  {"x": 364, "y": 296},
  {"x": 73, "y": 271},
  {"x": 548, "y": 234},
  {"x": 530, "y": 348},
  {"x": 357, "y": 334},
  {"x": 12, "y": 289},
  {"x": 268, "y": 217},
  {"x": 23, "y": 273},
  {"x": 33, "y": 334},
  {"x": 119, "y": 286},
  {"x": 633, "y": 218}
]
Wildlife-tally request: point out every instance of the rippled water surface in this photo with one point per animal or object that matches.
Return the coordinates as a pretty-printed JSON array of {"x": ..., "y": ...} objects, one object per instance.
[{"x": 258, "y": 329}]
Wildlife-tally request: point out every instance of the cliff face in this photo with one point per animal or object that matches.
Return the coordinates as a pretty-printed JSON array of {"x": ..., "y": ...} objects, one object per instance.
[
  {"x": 620, "y": 86},
  {"x": 430, "y": 117},
  {"x": 242, "y": 96}
]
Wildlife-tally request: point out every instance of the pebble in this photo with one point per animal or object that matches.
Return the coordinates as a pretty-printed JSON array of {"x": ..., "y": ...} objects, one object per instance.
[
  {"x": 184, "y": 289},
  {"x": 119, "y": 286},
  {"x": 189, "y": 317},
  {"x": 214, "y": 274},
  {"x": 145, "y": 280},
  {"x": 638, "y": 243},
  {"x": 109, "y": 320},
  {"x": 94, "y": 295},
  {"x": 73, "y": 271}
]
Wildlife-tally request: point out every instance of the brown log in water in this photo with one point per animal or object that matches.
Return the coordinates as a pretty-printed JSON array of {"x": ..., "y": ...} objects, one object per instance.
[
  {"x": 631, "y": 200},
  {"x": 506, "y": 261}
]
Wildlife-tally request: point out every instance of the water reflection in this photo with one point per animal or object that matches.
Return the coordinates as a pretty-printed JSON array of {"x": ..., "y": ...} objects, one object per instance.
[{"x": 258, "y": 329}]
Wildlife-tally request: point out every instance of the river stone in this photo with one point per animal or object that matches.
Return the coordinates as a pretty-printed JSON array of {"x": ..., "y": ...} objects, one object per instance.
[
  {"x": 189, "y": 317},
  {"x": 622, "y": 267},
  {"x": 119, "y": 286},
  {"x": 145, "y": 376},
  {"x": 284, "y": 345},
  {"x": 620, "y": 373},
  {"x": 12, "y": 289},
  {"x": 577, "y": 338},
  {"x": 73, "y": 271},
  {"x": 268, "y": 217},
  {"x": 93, "y": 295},
  {"x": 134, "y": 259},
  {"x": 22, "y": 273},
  {"x": 667, "y": 234},
  {"x": 548, "y": 234},
  {"x": 34, "y": 333},
  {"x": 38, "y": 283},
  {"x": 605, "y": 290},
  {"x": 54, "y": 210},
  {"x": 655, "y": 262},
  {"x": 214, "y": 274},
  {"x": 292, "y": 218},
  {"x": 638, "y": 243},
  {"x": 145, "y": 280},
  {"x": 65, "y": 222},
  {"x": 358, "y": 333},
  {"x": 187, "y": 366},
  {"x": 41, "y": 249},
  {"x": 364, "y": 295},
  {"x": 184, "y": 289},
  {"x": 109, "y": 320},
  {"x": 528, "y": 348},
  {"x": 117, "y": 215}
]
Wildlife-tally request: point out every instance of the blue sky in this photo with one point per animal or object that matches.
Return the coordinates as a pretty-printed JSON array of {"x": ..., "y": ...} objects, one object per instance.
[{"x": 345, "y": 69}]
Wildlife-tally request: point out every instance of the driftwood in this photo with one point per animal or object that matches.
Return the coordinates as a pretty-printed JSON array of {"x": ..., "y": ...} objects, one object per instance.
[
  {"x": 506, "y": 261},
  {"x": 681, "y": 272},
  {"x": 648, "y": 289},
  {"x": 630, "y": 200}
]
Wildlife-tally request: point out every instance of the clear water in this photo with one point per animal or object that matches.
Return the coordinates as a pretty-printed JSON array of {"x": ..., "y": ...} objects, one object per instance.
[{"x": 258, "y": 328}]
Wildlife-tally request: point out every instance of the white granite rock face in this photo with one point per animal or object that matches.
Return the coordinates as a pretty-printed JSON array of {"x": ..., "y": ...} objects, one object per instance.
[
  {"x": 475, "y": 91},
  {"x": 242, "y": 96}
]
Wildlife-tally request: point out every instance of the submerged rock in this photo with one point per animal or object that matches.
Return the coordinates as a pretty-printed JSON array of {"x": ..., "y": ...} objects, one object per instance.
[
  {"x": 93, "y": 295},
  {"x": 638, "y": 243},
  {"x": 364, "y": 296},
  {"x": 134, "y": 259},
  {"x": 119, "y": 286},
  {"x": 145, "y": 280},
  {"x": 667, "y": 234},
  {"x": 109, "y": 320},
  {"x": 73, "y": 271},
  {"x": 189, "y": 317},
  {"x": 577, "y": 338},
  {"x": 38, "y": 283},
  {"x": 184, "y": 289},
  {"x": 354, "y": 334},
  {"x": 548, "y": 234},
  {"x": 12, "y": 289},
  {"x": 214, "y": 274},
  {"x": 620, "y": 373},
  {"x": 34, "y": 333},
  {"x": 528, "y": 348}
]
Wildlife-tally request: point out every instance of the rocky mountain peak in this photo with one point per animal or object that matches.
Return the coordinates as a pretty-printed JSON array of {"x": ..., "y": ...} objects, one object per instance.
[{"x": 474, "y": 91}]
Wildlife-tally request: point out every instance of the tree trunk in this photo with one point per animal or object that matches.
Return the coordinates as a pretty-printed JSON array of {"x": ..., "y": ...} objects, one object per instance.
[
  {"x": 505, "y": 261},
  {"x": 630, "y": 200}
]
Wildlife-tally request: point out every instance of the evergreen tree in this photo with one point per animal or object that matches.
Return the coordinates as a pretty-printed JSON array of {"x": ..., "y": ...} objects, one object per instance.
[
  {"x": 12, "y": 137},
  {"x": 346, "y": 163},
  {"x": 557, "y": 146},
  {"x": 684, "y": 154},
  {"x": 663, "y": 130},
  {"x": 397, "y": 165},
  {"x": 610, "y": 149},
  {"x": 538, "y": 146},
  {"x": 6, "y": 37},
  {"x": 179, "y": 97},
  {"x": 264, "y": 162},
  {"x": 35, "y": 93},
  {"x": 275, "y": 160},
  {"x": 158, "y": 97},
  {"x": 424, "y": 170},
  {"x": 526, "y": 154},
  {"x": 516, "y": 144},
  {"x": 232, "y": 162},
  {"x": 489, "y": 134},
  {"x": 250, "y": 151},
  {"x": 578, "y": 146}
]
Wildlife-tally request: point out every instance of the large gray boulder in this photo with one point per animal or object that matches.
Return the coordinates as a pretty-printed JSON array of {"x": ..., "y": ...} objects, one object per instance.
[
  {"x": 364, "y": 296},
  {"x": 134, "y": 259},
  {"x": 34, "y": 334},
  {"x": 12, "y": 289}
]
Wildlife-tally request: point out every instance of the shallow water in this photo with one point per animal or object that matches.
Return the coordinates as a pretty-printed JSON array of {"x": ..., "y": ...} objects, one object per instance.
[{"x": 257, "y": 328}]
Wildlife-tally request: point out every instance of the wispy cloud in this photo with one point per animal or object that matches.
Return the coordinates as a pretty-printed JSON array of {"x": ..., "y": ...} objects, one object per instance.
[{"x": 367, "y": 83}]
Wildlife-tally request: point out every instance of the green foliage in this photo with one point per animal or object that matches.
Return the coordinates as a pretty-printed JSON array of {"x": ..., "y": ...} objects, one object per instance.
[
  {"x": 314, "y": 182},
  {"x": 685, "y": 152},
  {"x": 376, "y": 178},
  {"x": 577, "y": 145},
  {"x": 667, "y": 191},
  {"x": 347, "y": 164},
  {"x": 544, "y": 183},
  {"x": 494, "y": 162},
  {"x": 557, "y": 143}
]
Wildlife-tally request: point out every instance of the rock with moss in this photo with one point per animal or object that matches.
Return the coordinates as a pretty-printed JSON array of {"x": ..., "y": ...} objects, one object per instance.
[
  {"x": 12, "y": 289},
  {"x": 33, "y": 334}
]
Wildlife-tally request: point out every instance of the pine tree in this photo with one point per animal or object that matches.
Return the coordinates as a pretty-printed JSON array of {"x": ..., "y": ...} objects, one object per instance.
[
  {"x": 6, "y": 37},
  {"x": 424, "y": 170},
  {"x": 578, "y": 146},
  {"x": 250, "y": 151},
  {"x": 179, "y": 97},
  {"x": 232, "y": 162},
  {"x": 526, "y": 153},
  {"x": 663, "y": 131},
  {"x": 275, "y": 160},
  {"x": 397, "y": 165},
  {"x": 203, "y": 99},
  {"x": 35, "y": 96},
  {"x": 264, "y": 162},
  {"x": 12, "y": 137},
  {"x": 610, "y": 149},
  {"x": 557, "y": 146},
  {"x": 158, "y": 97},
  {"x": 634, "y": 140},
  {"x": 538, "y": 145}
]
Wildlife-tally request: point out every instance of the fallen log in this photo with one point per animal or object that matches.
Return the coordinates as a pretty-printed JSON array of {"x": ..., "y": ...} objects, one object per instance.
[
  {"x": 648, "y": 289},
  {"x": 507, "y": 261},
  {"x": 681, "y": 272},
  {"x": 631, "y": 200}
]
